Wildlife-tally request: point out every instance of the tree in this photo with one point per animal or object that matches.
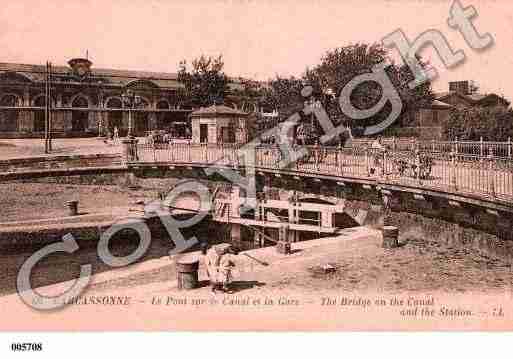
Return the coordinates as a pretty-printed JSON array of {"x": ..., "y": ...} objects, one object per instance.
[
  {"x": 491, "y": 123},
  {"x": 283, "y": 94},
  {"x": 339, "y": 66},
  {"x": 206, "y": 84},
  {"x": 249, "y": 97}
]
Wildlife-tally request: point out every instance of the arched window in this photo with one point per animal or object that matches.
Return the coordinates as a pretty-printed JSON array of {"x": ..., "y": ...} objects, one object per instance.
[
  {"x": 141, "y": 118},
  {"x": 114, "y": 103},
  {"x": 39, "y": 115},
  {"x": 144, "y": 103},
  {"x": 40, "y": 101},
  {"x": 79, "y": 118},
  {"x": 80, "y": 102},
  {"x": 163, "y": 118},
  {"x": 9, "y": 117},
  {"x": 10, "y": 100},
  {"x": 114, "y": 118},
  {"x": 162, "y": 105}
]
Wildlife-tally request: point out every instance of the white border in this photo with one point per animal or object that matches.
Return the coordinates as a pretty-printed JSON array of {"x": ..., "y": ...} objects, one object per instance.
[{"x": 260, "y": 345}]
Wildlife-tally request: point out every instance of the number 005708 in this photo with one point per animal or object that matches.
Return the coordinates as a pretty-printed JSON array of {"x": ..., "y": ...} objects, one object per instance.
[{"x": 26, "y": 347}]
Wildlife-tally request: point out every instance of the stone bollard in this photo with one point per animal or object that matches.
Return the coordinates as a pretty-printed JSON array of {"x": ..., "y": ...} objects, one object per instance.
[
  {"x": 283, "y": 245},
  {"x": 390, "y": 237},
  {"x": 72, "y": 208},
  {"x": 187, "y": 272}
]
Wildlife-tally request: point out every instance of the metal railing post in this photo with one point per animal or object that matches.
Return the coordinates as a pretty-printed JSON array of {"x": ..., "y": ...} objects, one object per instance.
[
  {"x": 317, "y": 155},
  {"x": 491, "y": 174},
  {"x": 418, "y": 164},
  {"x": 452, "y": 169},
  {"x": 171, "y": 154},
  {"x": 340, "y": 160},
  {"x": 366, "y": 158},
  {"x": 235, "y": 157},
  {"x": 383, "y": 165},
  {"x": 509, "y": 147}
]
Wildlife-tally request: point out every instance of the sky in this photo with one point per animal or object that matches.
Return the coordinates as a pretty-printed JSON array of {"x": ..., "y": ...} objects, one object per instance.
[{"x": 257, "y": 39}]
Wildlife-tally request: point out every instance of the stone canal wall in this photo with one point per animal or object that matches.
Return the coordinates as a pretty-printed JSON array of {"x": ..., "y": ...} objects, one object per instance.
[
  {"x": 87, "y": 230},
  {"x": 426, "y": 215}
]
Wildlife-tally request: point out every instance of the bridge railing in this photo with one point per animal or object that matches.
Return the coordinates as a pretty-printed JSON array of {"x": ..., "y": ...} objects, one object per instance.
[
  {"x": 485, "y": 176},
  {"x": 477, "y": 148}
]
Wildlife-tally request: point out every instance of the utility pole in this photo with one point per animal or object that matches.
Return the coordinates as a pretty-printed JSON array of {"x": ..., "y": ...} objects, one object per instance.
[
  {"x": 47, "y": 112},
  {"x": 49, "y": 102},
  {"x": 48, "y": 106}
]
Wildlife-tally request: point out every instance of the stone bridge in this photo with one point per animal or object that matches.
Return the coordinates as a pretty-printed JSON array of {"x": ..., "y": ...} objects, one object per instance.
[{"x": 449, "y": 197}]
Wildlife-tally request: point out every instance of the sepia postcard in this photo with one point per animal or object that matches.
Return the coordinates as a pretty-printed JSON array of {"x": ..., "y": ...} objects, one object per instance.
[{"x": 256, "y": 166}]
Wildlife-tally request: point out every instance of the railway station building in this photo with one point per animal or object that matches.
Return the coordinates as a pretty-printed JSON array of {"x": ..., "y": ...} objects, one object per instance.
[{"x": 86, "y": 101}]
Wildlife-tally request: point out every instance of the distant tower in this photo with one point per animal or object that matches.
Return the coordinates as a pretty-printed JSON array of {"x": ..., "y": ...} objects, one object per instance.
[{"x": 80, "y": 67}]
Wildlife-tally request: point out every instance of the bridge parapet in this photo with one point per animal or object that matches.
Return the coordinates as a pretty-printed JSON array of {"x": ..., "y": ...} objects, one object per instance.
[
  {"x": 483, "y": 177},
  {"x": 63, "y": 163}
]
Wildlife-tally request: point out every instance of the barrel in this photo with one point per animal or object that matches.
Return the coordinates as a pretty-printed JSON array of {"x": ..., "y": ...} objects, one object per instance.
[
  {"x": 390, "y": 237},
  {"x": 187, "y": 272},
  {"x": 72, "y": 208}
]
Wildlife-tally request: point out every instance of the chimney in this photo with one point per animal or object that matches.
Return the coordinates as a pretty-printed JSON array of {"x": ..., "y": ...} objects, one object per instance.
[{"x": 462, "y": 87}]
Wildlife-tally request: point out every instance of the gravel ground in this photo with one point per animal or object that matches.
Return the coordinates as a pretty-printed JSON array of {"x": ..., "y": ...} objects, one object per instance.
[
  {"x": 419, "y": 265},
  {"x": 28, "y": 201},
  {"x": 60, "y": 267},
  {"x": 20, "y": 148},
  {"x": 31, "y": 201},
  {"x": 362, "y": 266}
]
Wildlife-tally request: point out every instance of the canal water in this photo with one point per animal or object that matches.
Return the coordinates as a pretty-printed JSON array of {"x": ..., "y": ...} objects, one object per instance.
[
  {"x": 58, "y": 267},
  {"x": 45, "y": 199}
]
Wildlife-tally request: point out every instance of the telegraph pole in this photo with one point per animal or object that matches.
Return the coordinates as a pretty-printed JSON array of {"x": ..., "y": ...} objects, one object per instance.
[
  {"x": 48, "y": 104},
  {"x": 47, "y": 113}
]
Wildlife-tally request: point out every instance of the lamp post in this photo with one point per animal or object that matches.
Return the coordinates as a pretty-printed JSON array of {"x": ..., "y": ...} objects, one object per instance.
[
  {"x": 101, "y": 113},
  {"x": 131, "y": 101}
]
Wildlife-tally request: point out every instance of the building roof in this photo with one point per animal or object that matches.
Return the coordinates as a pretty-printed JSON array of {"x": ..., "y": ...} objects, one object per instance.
[
  {"x": 478, "y": 96},
  {"x": 122, "y": 78},
  {"x": 440, "y": 95},
  {"x": 36, "y": 73},
  {"x": 472, "y": 98},
  {"x": 438, "y": 103},
  {"x": 217, "y": 110}
]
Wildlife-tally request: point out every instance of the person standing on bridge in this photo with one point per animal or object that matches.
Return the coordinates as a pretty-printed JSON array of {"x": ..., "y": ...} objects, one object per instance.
[
  {"x": 219, "y": 264},
  {"x": 377, "y": 149}
]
